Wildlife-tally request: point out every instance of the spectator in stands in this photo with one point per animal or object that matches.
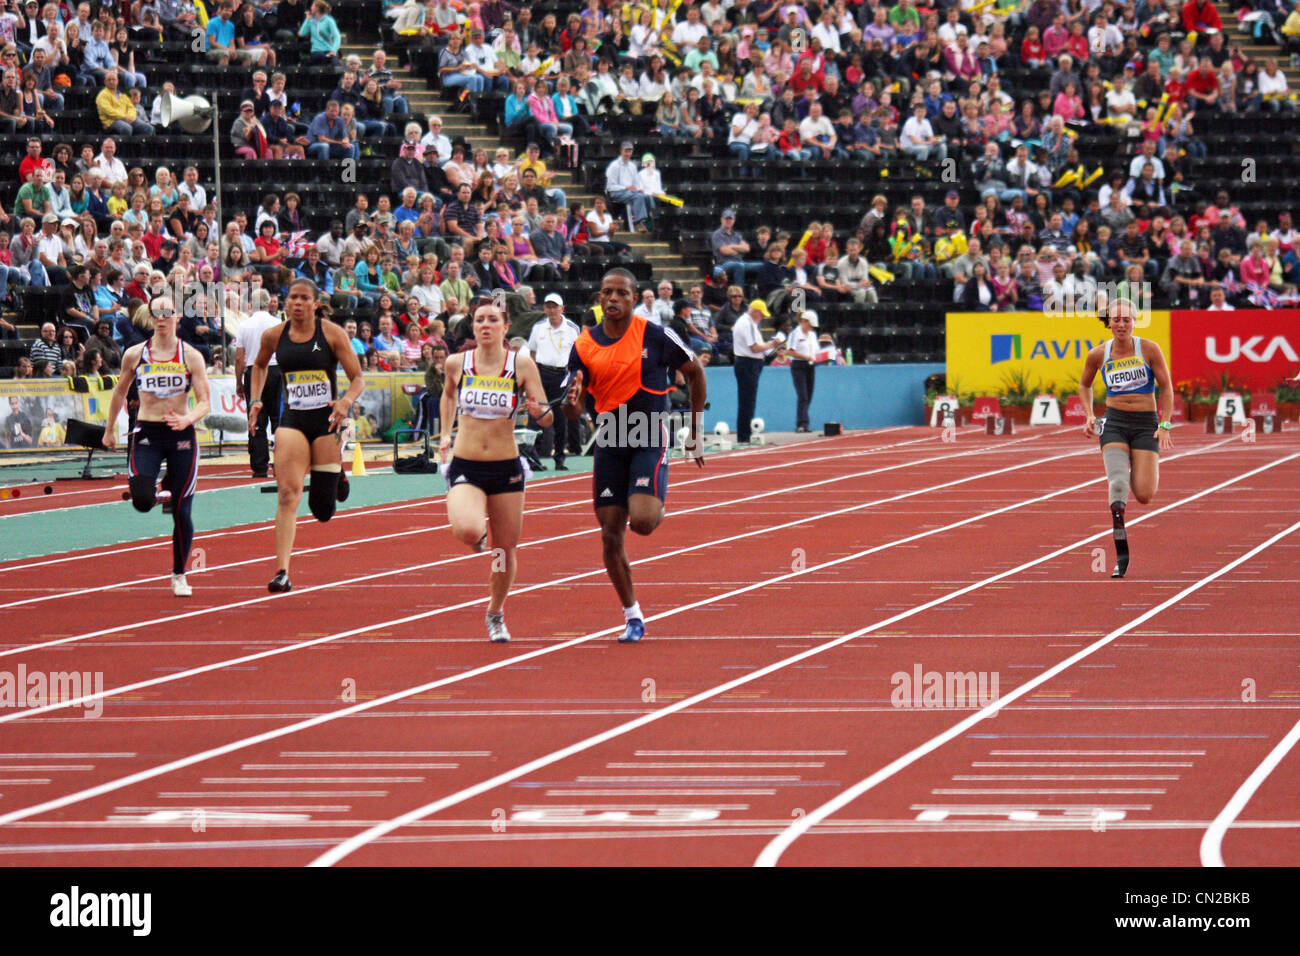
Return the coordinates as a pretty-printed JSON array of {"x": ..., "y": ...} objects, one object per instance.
[
  {"x": 487, "y": 63},
  {"x": 1203, "y": 88},
  {"x": 329, "y": 138},
  {"x": 103, "y": 343},
  {"x": 622, "y": 183},
  {"x": 855, "y": 273},
  {"x": 323, "y": 32},
  {"x": 408, "y": 173},
  {"x": 462, "y": 221},
  {"x": 393, "y": 100},
  {"x": 117, "y": 113},
  {"x": 247, "y": 134},
  {"x": 34, "y": 198},
  {"x": 253, "y": 38},
  {"x": 50, "y": 252},
  {"x": 456, "y": 69},
  {"x": 46, "y": 348},
  {"x": 730, "y": 250}
]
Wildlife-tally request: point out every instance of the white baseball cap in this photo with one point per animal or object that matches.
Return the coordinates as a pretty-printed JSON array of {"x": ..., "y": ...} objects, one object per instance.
[
  {"x": 555, "y": 298},
  {"x": 811, "y": 316}
]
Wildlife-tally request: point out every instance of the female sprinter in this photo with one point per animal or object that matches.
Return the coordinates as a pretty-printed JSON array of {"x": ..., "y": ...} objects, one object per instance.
[
  {"x": 1132, "y": 436},
  {"x": 167, "y": 371},
  {"x": 308, "y": 348},
  {"x": 485, "y": 480}
]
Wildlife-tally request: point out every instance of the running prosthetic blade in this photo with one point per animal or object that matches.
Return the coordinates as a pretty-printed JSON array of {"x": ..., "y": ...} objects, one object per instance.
[{"x": 1121, "y": 541}]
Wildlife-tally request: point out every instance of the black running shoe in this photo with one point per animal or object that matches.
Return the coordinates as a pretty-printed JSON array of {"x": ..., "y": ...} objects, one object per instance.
[
  {"x": 280, "y": 583},
  {"x": 345, "y": 486}
]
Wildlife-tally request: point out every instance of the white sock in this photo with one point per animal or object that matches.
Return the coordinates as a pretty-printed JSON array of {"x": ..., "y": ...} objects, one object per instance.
[{"x": 632, "y": 613}]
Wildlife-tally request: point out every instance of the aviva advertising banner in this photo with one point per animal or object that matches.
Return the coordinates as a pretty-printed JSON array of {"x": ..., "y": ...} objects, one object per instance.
[{"x": 987, "y": 350}]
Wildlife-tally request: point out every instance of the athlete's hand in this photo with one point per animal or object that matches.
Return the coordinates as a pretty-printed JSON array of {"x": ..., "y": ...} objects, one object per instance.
[
  {"x": 339, "y": 413},
  {"x": 253, "y": 412},
  {"x": 571, "y": 396},
  {"x": 110, "y": 438},
  {"x": 1164, "y": 438},
  {"x": 177, "y": 423},
  {"x": 444, "y": 448},
  {"x": 535, "y": 408},
  {"x": 694, "y": 448},
  {"x": 1089, "y": 428}
]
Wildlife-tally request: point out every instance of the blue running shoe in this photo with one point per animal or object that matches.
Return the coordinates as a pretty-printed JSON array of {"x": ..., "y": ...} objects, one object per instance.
[{"x": 634, "y": 631}]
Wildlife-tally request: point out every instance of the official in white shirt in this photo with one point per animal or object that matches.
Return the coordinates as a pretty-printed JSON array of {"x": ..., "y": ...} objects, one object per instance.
[
  {"x": 747, "y": 348},
  {"x": 550, "y": 342},
  {"x": 248, "y": 340},
  {"x": 802, "y": 346}
]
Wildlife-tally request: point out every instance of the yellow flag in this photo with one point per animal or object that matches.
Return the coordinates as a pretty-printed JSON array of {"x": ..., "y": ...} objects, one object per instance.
[
  {"x": 1096, "y": 175},
  {"x": 1067, "y": 177},
  {"x": 803, "y": 241}
]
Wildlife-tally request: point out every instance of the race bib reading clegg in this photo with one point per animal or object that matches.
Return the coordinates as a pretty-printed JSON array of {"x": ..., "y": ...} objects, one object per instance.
[
  {"x": 485, "y": 396},
  {"x": 308, "y": 390},
  {"x": 164, "y": 379}
]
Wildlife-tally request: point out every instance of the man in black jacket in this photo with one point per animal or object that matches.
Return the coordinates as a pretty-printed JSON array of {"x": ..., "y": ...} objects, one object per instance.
[{"x": 408, "y": 172}]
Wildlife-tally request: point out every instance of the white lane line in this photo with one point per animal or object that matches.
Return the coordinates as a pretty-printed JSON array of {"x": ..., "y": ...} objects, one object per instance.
[
  {"x": 354, "y": 843},
  {"x": 260, "y": 559},
  {"x": 741, "y": 753},
  {"x": 1043, "y": 777},
  {"x": 1080, "y": 763},
  {"x": 720, "y": 765},
  {"x": 1211, "y": 849},
  {"x": 61, "y": 756},
  {"x": 207, "y": 781},
  {"x": 386, "y": 753},
  {"x": 349, "y": 766},
  {"x": 445, "y": 609},
  {"x": 1040, "y": 791},
  {"x": 458, "y": 558},
  {"x": 319, "y": 719},
  {"x": 1097, "y": 753},
  {"x": 388, "y": 508},
  {"x": 772, "y": 852}
]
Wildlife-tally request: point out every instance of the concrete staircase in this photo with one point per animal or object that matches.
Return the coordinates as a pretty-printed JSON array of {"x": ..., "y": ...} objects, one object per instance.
[{"x": 421, "y": 99}]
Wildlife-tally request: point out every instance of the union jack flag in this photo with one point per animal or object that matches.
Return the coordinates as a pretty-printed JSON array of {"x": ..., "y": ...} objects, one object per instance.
[{"x": 297, "y": 243}]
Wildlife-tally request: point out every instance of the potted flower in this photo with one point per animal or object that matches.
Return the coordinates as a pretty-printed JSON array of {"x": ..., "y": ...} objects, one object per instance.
[
  {"x": 1287, "y": 395},
  {"x": 1200, "y": 398},
  {"x": 1017, "y": 396}
]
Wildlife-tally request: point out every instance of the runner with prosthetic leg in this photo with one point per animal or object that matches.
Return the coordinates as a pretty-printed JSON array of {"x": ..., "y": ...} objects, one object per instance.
[{"x": 1132, "y": 434}]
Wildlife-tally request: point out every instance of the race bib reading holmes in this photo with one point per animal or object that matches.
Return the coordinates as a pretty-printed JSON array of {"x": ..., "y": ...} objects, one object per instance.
[{"x": 308, "y": 390}]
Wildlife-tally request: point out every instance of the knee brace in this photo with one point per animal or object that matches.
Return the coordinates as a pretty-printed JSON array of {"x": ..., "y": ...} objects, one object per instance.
[
  {"x": 1118, "y": 470},
  {"x": 143, "y": 494},
  {"x": 323, "y": 495}
]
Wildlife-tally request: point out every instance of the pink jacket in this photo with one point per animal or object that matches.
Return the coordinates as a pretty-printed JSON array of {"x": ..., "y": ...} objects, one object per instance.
[
  {"x": 542, "y": 108},
  {"x": 1255, "y": 269}
]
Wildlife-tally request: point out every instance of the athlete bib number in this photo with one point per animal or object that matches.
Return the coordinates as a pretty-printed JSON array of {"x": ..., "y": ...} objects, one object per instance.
[
  {"x": 484, "y": 397},
  {"x": 164, "y": 379},
  {"x": 307, "y": 391}
]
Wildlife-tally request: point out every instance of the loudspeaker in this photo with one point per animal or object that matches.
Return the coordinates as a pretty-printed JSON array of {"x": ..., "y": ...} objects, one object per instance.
[
  {"x": 194, "y": 113},
  {"x": 831, "y": 430}
]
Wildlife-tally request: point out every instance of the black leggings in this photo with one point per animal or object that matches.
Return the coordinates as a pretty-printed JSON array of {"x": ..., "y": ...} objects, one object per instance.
[{"x": 152, "y": 443}]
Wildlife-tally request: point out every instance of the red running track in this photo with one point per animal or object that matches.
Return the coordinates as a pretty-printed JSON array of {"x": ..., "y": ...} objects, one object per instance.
[{"x": 290, "y": 729}]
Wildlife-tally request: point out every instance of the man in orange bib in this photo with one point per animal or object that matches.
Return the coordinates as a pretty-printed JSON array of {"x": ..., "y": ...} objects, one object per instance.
[{"x": 625, "y": 364}]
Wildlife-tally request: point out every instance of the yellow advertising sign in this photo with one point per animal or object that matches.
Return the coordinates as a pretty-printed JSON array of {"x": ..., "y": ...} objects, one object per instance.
[{"x": 987, "y": 350}]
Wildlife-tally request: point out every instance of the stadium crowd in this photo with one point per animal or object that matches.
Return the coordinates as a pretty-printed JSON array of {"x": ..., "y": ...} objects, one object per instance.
[{"x": 989, "y": 97}]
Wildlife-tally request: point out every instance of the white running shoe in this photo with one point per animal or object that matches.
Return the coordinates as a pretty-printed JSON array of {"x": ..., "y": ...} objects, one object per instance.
[
  {"x": 496, "y": 627},
  {"x": 181, "y": 587}
]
